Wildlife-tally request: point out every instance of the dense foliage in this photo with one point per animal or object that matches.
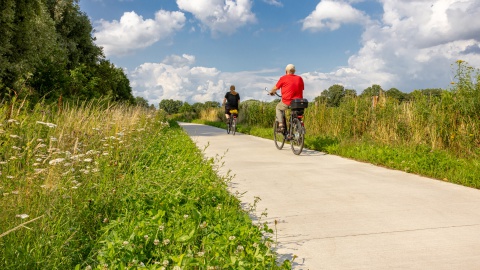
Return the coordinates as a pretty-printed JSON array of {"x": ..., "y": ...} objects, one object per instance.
[{"x": 47, "y": 51}]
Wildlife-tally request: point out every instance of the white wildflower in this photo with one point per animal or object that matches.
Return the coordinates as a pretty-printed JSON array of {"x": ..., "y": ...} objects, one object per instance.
[
  {"x": 53, "y": 139},
  {"x": 10, "y": 177},
  {"x": 16, "y": 148},
  {"x": 200, "y": 254},
  {"x": 41, "y": 145},
  {"x": 22, "y": 216},
  {"x": 87, "y": 160},
  {"x": 56, "y": 161},
  {"x": 231, "y": 238},
  {"x": 166, "y": 242},
  {"x": 185, "y": 216},
  {"x": 12, "y": 121},
  {"x": 125, "y": 243},
  {"x": 14, "y": 136},
  {"x": 145, "y": 236},
  {"x": 156, "y": 242},
  {"x": 165, "y": 263}
]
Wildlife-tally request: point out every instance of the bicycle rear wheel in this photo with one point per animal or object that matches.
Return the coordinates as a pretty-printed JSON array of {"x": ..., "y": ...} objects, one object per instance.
[
  {"x": 229, "y": 125},
  {"x": 278, "y": 137},
  {"x": 298, "y": 137},
  {"x": 234, "y": 125}
]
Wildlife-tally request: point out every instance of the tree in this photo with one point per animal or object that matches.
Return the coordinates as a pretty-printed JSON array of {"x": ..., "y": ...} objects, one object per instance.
[
  {"x": 170, "y": 106},
  {"x": 334, "y": 95},
  {"x": 142, "y": 102},
  {"x": 371, "y": 91},
  {"x": 396, "y": 94}
]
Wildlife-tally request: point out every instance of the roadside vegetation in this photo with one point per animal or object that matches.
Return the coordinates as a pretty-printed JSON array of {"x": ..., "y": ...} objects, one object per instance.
[
  {"x": 430, "y": 132},
  {"x": 97, "y": 185}
]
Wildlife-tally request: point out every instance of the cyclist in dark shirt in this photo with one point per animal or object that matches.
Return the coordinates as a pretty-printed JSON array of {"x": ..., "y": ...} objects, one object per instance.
[{"x": 231, "y": 101}]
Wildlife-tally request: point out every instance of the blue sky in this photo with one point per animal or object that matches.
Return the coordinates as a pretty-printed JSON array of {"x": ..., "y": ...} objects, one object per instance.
[{"x": 193, "y": 50}]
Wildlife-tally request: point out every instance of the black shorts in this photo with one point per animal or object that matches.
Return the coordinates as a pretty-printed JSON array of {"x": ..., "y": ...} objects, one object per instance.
[{"x": 227, "y": 110}]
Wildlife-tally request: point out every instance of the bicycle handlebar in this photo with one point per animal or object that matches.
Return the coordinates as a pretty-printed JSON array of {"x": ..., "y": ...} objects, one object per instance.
[{"x": 266, "y": 89}]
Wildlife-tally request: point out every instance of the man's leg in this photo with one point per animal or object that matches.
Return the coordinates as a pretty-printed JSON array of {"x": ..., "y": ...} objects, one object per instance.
[{"x": 279, "y": 109}]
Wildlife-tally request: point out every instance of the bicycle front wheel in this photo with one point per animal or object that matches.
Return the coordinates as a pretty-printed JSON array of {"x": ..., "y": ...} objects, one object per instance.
[
  {"x": 234, "y": 126},
  {"x": 278, "y": 137},
  {"x": 298, "y": 137}
]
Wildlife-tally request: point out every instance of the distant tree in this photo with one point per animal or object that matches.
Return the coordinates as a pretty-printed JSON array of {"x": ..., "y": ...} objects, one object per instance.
[
  {"x": 170, "y": 106},
  {"x": 186, "y": 108},
  {"x": 212, "y": 104},
  {"x": 396, "y": 94},
  {"x": 141, "y": 101},
  {"x": 334, "y": 95},
  {"x": 373, "y": 90}
]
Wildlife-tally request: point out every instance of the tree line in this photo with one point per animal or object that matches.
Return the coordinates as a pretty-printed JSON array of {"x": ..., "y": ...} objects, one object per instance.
[{"x": 47, "y": 51}]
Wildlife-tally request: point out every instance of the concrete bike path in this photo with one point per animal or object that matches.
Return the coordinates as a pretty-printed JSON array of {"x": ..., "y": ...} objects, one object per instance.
[{"x": 335, "y": 213}]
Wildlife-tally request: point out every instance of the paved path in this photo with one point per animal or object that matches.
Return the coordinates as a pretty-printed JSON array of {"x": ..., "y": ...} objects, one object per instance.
[{"x": 335, "y": 213}]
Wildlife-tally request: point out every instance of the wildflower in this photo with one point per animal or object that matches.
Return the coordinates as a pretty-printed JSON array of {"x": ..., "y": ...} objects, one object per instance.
[
  {"x": 22, "y": 216},
  {"x": 125, "y": 243},
  {"x": 203, "y": 225},
  {"x": 10, "y": 177},
  {"x": 156, "y": 242},
  {"x": 16, "y": 148},
  {"x": 53, "y": 139},
  {"x": 176, "y": 267},
  {"x": 105, "y": 153},
  {"x": 14, "y": 136},
  {"x": 165, "y": 263},
  {"x": 12, "y": 121},
  {"x": 240, "y": 248},
  {"x": 166, "y": 242},
  {"x": 37, "y": 171},
  {"x": 219, "y": 207},
  {"x": 231, "y": 238},
  {"x": 255, "y": 245},
  {"x": 56, "y": 161},
  {"x": 145, "y": 236},
  {"x": 185, "y": 216},
  {"x": 50, "y": 125},
  {"x": 161, "y": 227},
  {"x": 3, "y": 162},
  {"x": 88, "y": 267},
  {"x": 200, "y": 254},
  {"x": 87, "y": 160},
  {"x": 41, "y": 145}
]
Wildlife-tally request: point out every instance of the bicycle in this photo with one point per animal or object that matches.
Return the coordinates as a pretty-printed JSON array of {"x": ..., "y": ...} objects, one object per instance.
[
  {"x": 294, "y": 130},
  {"x": 232, "y": 122}
]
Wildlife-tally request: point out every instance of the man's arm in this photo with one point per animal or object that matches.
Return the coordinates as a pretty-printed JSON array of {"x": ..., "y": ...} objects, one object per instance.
[{"x": 274, "y": 90}]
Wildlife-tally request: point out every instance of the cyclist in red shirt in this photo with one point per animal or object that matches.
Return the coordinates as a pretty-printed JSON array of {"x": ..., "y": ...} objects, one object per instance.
[{"x": 292, "y": 87}]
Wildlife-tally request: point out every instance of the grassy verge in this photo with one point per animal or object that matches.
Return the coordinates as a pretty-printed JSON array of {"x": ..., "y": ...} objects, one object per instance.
[{"x": 100, "y": 186}]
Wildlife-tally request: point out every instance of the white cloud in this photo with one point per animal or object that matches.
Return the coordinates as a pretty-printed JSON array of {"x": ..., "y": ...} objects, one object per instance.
[
  {"x": 132, "y": 32},
  {"x": 331, "y": 14},
  {"x": 220, "y": 16},
  {"x": 413, "y": 47},
  {"x": 274, "y": 3},
  {"x": 177, "y": 78}
]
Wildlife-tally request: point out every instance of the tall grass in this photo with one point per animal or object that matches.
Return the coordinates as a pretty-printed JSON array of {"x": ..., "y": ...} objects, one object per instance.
[{"x": 106, "y": 186}]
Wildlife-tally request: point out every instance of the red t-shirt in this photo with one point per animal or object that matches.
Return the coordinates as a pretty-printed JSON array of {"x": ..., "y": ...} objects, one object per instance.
[{"x": 292, "y": 87}]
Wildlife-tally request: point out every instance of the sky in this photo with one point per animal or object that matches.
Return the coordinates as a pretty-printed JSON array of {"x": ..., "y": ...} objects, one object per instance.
[{"x": 193, "y": 50}]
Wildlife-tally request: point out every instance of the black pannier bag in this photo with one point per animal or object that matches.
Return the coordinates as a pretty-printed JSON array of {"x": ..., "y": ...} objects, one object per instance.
[{"x": 299, "y": 103}]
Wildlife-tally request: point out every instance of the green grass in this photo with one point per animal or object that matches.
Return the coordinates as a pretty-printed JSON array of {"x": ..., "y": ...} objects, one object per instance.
[{"x": 106, "y": 186}]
